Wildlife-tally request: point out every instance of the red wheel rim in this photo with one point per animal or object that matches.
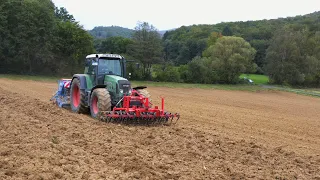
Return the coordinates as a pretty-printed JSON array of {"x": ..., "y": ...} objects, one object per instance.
[
  {"x": 95, "y": 105},
  {"x": 76, "y": 96}
]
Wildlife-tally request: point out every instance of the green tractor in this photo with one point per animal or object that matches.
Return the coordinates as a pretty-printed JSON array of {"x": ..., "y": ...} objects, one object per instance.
[{"x": 104, "y": 91}]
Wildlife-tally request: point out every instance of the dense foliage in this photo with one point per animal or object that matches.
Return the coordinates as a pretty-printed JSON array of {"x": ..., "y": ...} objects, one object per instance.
[
  {"x": 183, "y": 45},
  {"x": 101, "y": 32},
  {"x": 257, "y": 33},
  {"x": 38, "y": 38},
  {"x": 230, "y": 57},
  {"x": 293, "y": 57},
  {"x": 225, "y": 61},
  {"x": 146, "y": 47},
  {"x": 116, "y": 44}
]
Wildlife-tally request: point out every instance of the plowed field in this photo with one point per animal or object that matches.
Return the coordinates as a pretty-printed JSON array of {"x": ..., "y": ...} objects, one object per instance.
[{"x": 221, "y": 135}]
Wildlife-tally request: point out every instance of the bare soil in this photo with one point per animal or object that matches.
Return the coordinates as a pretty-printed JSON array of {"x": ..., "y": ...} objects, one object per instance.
[{"x": 221, "y": 135}]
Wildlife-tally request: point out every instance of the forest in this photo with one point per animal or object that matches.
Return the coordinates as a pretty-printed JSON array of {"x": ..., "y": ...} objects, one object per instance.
[{"x": 38, "y": 38}]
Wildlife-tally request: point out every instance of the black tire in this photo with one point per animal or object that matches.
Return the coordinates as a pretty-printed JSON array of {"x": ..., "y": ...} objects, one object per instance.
[
  {"x": 146, "y": 94},
  {"x": 100, "y": 101},
  {"x": 78, "y": 98}
]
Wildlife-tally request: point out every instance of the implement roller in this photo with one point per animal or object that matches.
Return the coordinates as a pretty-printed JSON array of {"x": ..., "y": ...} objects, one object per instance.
[{"x": 104, "y": 92}]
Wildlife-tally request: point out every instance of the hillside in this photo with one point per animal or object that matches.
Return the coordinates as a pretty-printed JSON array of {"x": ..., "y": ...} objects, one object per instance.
[
  {"x": 102, "y": 32},
  {"x": 162, "y": 32},
  {"x": 184, "y": 43}
]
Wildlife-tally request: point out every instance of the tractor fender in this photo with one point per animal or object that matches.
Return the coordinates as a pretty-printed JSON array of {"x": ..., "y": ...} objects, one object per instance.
[
  {"x": 83, "y": 81},
  {"x": 139, "y": 87},
  {"x": 97, "y": 86}
]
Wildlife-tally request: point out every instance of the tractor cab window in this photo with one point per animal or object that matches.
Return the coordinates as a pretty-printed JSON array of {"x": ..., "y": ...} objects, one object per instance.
[{"x": 109, "y": 66}]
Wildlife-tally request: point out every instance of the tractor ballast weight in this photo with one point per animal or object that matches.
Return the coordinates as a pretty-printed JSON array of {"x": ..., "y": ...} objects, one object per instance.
[{"x": 104, "y": 92}]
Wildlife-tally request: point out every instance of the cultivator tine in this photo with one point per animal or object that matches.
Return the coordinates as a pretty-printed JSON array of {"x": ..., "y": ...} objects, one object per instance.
[
  {"x": 158, "y": 120},
  {"x": 148, "y": 117}
]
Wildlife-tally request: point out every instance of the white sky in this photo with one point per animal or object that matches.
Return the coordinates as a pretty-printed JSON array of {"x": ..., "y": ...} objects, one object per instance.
[{"x": 168, "y": 14}]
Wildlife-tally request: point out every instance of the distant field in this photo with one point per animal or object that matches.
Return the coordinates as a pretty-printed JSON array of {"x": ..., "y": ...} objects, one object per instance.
[
  {"x": 33, "y": 78},
  {"x": 256, "y": 78},
  {"x": 259, "y": 80},
  {"x": 242, "y": 87},
  {"x": 149, "y": 83}
]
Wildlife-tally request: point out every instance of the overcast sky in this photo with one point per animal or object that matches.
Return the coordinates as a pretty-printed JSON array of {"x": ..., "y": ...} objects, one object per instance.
[{"x": 168, "y": 14}]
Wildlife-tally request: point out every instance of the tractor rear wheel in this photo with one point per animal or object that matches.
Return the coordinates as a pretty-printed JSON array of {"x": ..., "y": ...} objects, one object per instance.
[
  {"x": 146, "y": 94},
  {"x": 100, "y": 101},
  {"x": 77, "y": 98}
]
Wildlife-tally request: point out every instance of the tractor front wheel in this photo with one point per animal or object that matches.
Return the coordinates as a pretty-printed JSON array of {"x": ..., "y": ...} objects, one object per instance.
[
  {"x": 77, "y": 98},
  {"x": 100, "y": 101}
]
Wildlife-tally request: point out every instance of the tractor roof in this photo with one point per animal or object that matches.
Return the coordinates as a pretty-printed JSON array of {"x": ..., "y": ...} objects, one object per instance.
[{"x": 104, "y": 55}]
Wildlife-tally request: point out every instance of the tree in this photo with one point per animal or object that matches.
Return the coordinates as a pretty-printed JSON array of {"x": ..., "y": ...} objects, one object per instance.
[
  {"x": 38, "y": 38},
  {"x": 146, "y": 47},
  {"x": 214, "y": 36},
  {"x": 115, "y": 44},
  {"x": 227, "y": 31},
  {"x": 185, "y": 43},
  {"x": 230, "y": 57},
  {"x": 288, "y": 60},
  {"x": 166, "y": 72},
  {"x": 62, "y": 14},
  {"x": 261, "y": 47},
  {"x": 200, "y": 70},
  {"x": 29, "y": 28},
  {"x": 72, "y": 44}
]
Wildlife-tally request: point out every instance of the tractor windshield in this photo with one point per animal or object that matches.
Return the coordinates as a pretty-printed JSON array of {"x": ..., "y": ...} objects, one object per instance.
[{"x": 109, "y": 66}]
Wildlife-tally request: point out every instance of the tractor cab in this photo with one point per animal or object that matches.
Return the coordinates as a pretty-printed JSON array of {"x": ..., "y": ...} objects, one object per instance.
[{"x": 98, "y": 66}]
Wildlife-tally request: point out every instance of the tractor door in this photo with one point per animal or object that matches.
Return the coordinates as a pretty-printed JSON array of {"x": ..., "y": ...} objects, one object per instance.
[{"x": 90, "y": 69}]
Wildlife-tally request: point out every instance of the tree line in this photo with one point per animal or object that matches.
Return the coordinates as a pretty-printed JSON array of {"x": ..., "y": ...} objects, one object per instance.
[
  {"x": 38, "y": 38},
  {"x": 285, "y": 49}
]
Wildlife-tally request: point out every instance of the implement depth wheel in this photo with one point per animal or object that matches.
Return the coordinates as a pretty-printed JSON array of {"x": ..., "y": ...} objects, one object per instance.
[
  {"x": 77, "y": 98},
  {"x": 100, "y": 101}
]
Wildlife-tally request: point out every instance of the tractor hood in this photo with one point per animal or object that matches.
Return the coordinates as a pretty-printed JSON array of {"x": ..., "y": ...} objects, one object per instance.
[
  {"x": 117, "y": 85},
  {"x": 114, "y": 78}
]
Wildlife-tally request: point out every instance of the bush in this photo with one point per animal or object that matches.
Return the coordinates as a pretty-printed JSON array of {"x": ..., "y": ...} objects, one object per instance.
[
  {"x": 199, "y": 70},
  {"x": 136, "y": 74},
  {"x": 166, "y": 73}
]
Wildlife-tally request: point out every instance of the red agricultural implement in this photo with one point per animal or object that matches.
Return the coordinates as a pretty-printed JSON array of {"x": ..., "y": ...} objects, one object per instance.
[{"x": 137, "y": 108}]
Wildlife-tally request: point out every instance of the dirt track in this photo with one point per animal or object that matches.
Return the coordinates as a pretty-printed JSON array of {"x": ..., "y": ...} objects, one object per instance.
[{"x": 222, "y": 135}]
